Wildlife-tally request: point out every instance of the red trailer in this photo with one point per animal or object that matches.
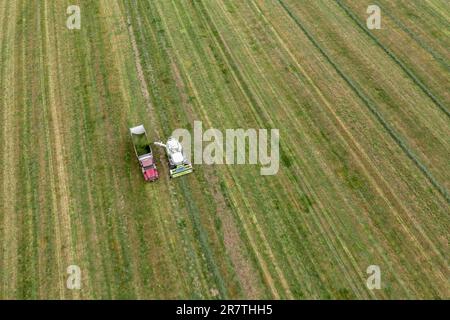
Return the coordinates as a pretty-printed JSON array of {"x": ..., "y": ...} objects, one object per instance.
[{"x": 144, "y": 153}]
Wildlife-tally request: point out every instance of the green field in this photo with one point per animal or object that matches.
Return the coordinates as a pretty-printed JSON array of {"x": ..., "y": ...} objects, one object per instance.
[{"x": 364, "y": 120}]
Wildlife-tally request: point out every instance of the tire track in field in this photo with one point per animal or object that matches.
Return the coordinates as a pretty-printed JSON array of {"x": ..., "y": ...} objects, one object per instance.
[
  {"x": 202, "y": 236},
  {"x": 373, "y": 109},
  {"x": 170, "y": 40},
  {"x": 307, "y": 186},
  {"x": 141, "y": 77},
  {"x": 410, "y": 74},
  {"x": 320, "y": 224},
  {"x": 146, "y": 95},
  {"x": 365, "y": 162},
  {"x": 150, "y": 109},
  {"x": 61, "y": 197},
  {"x": 331, "y": 180},
  {"x": 78, "y": 235},
  {"x": 50, "y": 166},
  {"x": 10, "y": 157},
  {"x": 180, "y": 80},
  {"x": 245, "y": 90}
]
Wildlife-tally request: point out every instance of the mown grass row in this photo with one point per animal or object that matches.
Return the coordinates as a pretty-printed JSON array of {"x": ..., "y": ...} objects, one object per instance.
[
  {"x": 209, "y": 68},
  {"x": 195, "y": 42},
  {"x": 429, "y": 212},
  {"x": 374, "y": 206},
  {"x": 422, "y": 132},
  {"x": 281, "y": 250},
  {"x": 409, "y": 72},
  {"x": 225, "y": 58},
  {"x": 373, "y": 109},
  {"x": 294, "y": 167},
  {"x": 437, "y": 56},
  {"x": 3, "y": 67},
  {"x": 167, "y": 101}
]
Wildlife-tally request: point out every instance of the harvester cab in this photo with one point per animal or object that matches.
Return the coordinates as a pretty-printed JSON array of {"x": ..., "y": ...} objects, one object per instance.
[
  {"x": 178, "y": 164},
  {"x": 144, "y": 153}
]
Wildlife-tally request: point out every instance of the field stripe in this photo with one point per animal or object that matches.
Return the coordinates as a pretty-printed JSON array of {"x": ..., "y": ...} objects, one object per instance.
[
  {"x": 307, "y": 140},
  {"x": 395, "y": 136},
  {"x": 3, "y": 36},
  {"x": 149, "y": 109},
  {"x": 306, "y": 188},
  {"x": 413, "y": 77},
  {"x": 386, "y": 187},
  {"x": 262, "y": 264},
  {"x": 391, "y": 194},
  {"x": 438, "y": 11},
  {"x": 416, "y": 38},
  {"x": 61, "y": 203},
  {"x": 10, "y": 154},
  {"x": 157, "y": 95},
  {"x": 27, "y": 206},
  {"x": 253, "y": 102}
]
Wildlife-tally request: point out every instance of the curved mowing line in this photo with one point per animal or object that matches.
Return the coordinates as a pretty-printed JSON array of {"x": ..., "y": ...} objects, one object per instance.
[
  {"x": 423, "y": 44},
  {"x": 394, "y": 57},
  {"x": 372, "y": 107}
]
